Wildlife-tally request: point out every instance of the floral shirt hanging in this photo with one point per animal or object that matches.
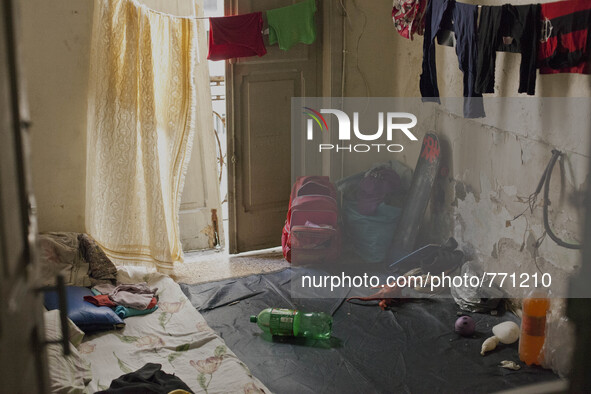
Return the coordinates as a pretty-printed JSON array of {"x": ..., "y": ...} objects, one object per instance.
[{"x": 409, "y": 17}]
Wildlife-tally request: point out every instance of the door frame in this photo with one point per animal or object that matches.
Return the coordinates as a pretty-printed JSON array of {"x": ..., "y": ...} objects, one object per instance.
[
  {"x": 330, "y": 68},
  {"x": 21, "y": 323}
]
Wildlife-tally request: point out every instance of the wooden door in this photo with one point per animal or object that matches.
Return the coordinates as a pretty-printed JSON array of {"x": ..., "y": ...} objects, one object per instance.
[
  {"x": 22, "y": 357},
  {"x": 259, "y": 92}
]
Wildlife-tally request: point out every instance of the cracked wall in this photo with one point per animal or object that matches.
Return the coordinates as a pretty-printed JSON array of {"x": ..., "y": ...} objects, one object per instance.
[
  {"x": 493, "y": 164},
  {"x": 492, "y": 174}
]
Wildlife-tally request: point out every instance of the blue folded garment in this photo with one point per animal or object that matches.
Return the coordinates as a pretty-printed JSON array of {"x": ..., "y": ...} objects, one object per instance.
[
  {"x": 123, "y": 311},
  {"x": 84, "y": 314}
]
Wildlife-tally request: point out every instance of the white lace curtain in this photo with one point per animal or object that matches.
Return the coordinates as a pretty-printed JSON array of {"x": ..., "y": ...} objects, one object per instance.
[{"x": 141, "y": 121}]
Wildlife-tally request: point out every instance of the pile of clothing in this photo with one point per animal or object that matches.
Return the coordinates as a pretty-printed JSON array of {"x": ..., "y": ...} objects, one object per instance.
[
  {"x": 83, "y": 264},
  {"x": 125, "y": 299}
]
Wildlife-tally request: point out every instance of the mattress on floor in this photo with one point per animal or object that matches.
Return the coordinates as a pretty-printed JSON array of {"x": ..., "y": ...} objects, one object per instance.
[
  {"x": 411, "y": 348},
  {"x": 175, "y": 336}
]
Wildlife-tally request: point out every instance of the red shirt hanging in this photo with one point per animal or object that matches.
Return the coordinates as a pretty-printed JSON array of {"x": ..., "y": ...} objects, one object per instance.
[{"x": 236, "y": 36}]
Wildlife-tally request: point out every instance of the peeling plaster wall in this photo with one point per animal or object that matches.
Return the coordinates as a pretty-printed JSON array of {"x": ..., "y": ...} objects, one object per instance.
[
  {"x": 494, "y": 163},
  {"x": 492, "y": 172}
]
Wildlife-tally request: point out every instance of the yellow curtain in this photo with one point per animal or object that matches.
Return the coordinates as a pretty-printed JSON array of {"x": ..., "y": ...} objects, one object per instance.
[{"x": 142, "y": 104}]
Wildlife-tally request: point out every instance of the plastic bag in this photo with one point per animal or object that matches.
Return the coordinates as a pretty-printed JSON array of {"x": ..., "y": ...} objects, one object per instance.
[
  {"x": 482, "y": 299},
  {"x": 560, "y": 339},
  {"x": 370, "y": 236}
]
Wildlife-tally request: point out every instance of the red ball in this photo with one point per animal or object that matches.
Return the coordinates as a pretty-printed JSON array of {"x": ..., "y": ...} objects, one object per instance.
[{"x": 465, "y": 326}]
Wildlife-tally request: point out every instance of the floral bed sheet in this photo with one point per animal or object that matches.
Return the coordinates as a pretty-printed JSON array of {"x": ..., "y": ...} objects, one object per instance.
[{"x": 175, "y": 336}]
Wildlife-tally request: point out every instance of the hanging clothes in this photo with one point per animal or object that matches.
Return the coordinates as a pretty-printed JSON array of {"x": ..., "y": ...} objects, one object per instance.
[
  {"x": 446, "y": 35},
  {"x": 236, "y": 36},
  {"x": 409, "y": 17},
  {"x": 463, "y": 18},
  {"x": 292, "y": 24},
  {"x": 565, "y": 44},
  {"x": 508, "y": 28}
]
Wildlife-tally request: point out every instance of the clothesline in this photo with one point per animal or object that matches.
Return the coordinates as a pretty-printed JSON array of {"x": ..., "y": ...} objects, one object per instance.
[
  {"x": 241, "y": 35},
  {"x": 551, "y": 37}
]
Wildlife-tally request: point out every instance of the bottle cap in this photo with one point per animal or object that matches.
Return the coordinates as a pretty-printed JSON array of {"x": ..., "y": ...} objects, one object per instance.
[{"x": 253, "y": 319}]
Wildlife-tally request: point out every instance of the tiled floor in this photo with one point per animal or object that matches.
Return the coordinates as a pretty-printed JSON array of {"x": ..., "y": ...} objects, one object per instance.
[{"x": 208, "y": 266}]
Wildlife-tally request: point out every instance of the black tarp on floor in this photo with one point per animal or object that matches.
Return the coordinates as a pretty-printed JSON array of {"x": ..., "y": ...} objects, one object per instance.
[{"x": 411, "y": 348}]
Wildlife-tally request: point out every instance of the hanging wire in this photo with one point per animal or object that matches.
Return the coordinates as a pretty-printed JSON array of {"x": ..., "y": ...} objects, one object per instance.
[
  {"x": 532, "y": 200},
  {"x": 361, "y": 73},
  {"x": 547, "y": 174}
]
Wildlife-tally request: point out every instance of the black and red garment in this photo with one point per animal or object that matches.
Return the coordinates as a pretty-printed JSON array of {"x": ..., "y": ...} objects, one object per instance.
[{"x": 565, "y": 43}]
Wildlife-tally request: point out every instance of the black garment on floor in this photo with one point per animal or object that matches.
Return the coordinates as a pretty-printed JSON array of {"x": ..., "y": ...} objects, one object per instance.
[
  {"x": 443, "y": 14},
  {"x": 149, "y": 379},
  {"x": 508, "y": 28},
  {"x": 409, "y": 349}
]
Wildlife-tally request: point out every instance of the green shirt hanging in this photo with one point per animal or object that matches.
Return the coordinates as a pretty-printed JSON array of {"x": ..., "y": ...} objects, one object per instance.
[{"x": 292, "y": 24}]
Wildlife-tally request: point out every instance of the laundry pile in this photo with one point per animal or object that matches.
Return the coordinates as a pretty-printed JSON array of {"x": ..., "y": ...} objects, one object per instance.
[
  {"x": 552, "y": 38},
  {"x": 126, "y": 299},
  {"x": 95, "y": 299}
]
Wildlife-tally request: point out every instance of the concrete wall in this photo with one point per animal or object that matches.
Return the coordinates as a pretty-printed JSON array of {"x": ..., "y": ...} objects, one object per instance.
[
  {"x": 55, "y": 52},
  {"x": 494, "y": 163}
]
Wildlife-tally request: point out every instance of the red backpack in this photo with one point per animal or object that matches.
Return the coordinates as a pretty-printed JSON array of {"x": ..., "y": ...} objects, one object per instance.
[{"x": 311, "y": 230}]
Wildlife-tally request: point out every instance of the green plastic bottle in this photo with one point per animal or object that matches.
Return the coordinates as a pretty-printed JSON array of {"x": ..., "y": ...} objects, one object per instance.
[{"x": 289, "y": 322}]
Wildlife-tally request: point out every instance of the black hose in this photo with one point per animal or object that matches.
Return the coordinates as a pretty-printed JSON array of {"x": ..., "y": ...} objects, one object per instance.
[{"x": 547, "y": 174}]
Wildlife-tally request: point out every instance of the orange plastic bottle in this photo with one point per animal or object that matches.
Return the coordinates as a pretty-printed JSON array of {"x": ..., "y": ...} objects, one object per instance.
[{"x": 533, "y": 328}]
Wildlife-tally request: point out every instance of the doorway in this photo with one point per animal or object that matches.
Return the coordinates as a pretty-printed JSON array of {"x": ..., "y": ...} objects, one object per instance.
[
  {"x": 217, "y": 83},
  {"x": 251, "y": 117}
]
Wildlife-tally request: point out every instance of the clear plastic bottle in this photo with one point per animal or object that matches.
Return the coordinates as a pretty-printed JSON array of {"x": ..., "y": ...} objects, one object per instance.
[
  {"x": 533, "y": 327},
  {"x": 289, "y": 322}
]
